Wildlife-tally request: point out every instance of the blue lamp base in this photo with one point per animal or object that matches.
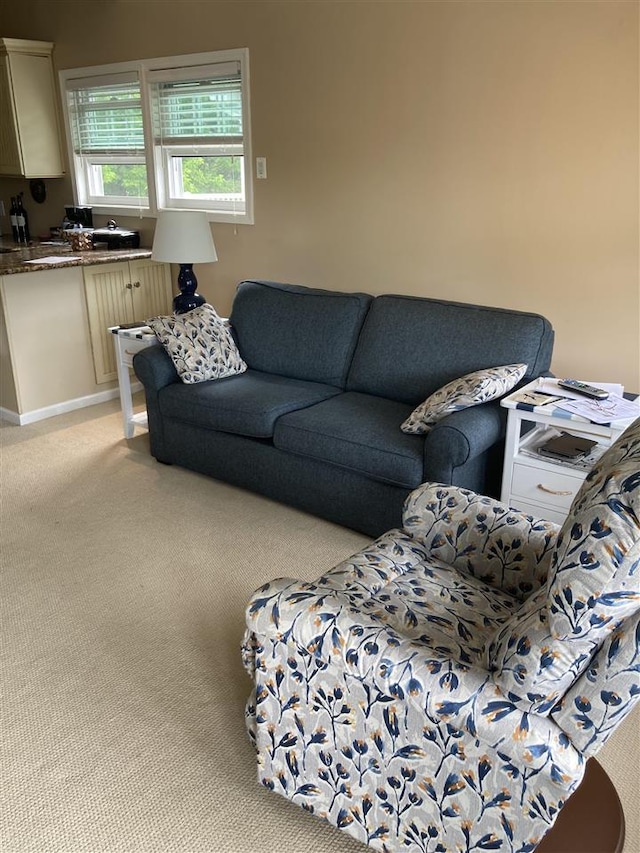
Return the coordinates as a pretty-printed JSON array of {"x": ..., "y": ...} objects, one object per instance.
[{"x": 187, "y": 299}]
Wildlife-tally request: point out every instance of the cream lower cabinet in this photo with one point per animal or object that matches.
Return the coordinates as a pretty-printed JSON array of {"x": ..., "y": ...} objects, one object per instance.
[
  {"x": 45, "y": 352},
  {"x": 123, "y": 292}
]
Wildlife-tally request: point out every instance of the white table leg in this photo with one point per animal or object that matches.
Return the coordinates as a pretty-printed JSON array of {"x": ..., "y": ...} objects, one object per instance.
[
  {"x": 510, "y": 448},
  {"x": 124, "y": 382}
]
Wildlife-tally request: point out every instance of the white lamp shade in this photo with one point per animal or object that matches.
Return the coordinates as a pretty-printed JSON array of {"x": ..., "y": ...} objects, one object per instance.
[{"x": 183, "y": 237}]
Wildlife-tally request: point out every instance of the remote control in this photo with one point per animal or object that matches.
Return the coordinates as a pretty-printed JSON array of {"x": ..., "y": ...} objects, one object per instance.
[{"x": 583, "y": 388}]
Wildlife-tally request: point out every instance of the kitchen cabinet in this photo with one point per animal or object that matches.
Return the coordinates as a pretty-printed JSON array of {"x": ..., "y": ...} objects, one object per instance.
[
  {"x": 30, "y": 141},
  {"x": 123, "y": 292},
  {"x": 45, "y": 351}
]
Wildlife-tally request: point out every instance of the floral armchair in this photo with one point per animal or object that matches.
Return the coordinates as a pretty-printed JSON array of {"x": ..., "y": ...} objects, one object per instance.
[{"x": 442, "y": 689}]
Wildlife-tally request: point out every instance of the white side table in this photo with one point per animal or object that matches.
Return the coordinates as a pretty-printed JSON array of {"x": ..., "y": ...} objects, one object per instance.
[
  {"x": 537, "y": 485},
  {"x": 127, "y": 343}
]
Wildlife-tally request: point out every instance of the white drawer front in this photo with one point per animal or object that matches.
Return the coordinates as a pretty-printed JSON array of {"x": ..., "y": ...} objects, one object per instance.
[
  {"x": 543, "y": 487},
  {"x": 556, "y": 515},
  {"x": 130, "y": 348}
]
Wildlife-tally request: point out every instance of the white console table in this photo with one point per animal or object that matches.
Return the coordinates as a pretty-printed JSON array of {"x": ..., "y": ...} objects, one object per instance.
[{"x": 127, "y": 343}]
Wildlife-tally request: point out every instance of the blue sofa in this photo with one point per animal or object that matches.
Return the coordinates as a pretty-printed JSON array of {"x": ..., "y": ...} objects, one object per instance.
[{"x": 315, "y": 420}]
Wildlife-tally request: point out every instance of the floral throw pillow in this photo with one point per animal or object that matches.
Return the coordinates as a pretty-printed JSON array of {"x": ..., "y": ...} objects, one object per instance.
[
  {"x": 470, "y": 390},
  {"x": 200, "y": 344}
]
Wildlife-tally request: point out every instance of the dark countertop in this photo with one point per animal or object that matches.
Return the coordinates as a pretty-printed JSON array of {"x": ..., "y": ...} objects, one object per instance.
[{"x": 14, "y": 261}]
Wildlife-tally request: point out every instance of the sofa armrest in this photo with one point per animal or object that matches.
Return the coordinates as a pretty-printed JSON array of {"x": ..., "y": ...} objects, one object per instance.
[
  {"x": 461, "y": 437},
  {"x": 480, "y": 536},
  {"x": 154, "y": 368}
]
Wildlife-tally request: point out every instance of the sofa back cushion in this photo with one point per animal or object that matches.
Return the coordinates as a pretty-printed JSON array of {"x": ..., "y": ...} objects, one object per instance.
[
  {"x": 299, "y": 332},
  {"x": 412, "y": 346}
]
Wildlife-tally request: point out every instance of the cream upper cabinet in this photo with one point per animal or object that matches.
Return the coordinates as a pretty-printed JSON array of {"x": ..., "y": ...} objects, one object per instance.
[
  {"x": 29, "y": 127},
  {"x": 123, "y": 292}
]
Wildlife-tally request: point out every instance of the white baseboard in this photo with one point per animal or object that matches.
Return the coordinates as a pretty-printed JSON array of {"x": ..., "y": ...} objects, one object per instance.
[{"x": 62, "y": 408}]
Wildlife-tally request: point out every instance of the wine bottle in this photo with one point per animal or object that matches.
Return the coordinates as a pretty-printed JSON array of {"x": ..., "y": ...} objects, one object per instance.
[
  {"x": 27, "y": 231},
  {"x": 23, "y": 221},
  {"x": 13, "y": 216}
]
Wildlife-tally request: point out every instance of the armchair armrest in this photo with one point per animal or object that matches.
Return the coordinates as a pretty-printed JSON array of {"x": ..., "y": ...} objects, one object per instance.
[
  {"x": 480, "y": 536},
  {"x": 313, "y": 619}
]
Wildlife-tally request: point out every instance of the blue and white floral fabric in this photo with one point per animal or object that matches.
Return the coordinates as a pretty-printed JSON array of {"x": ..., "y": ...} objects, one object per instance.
[
  {"x": 200, "y": 344},
  {"x": 388, "y": 697},
  {"x": 481, "y": 386},
  {"x": 479, "y": 536},
  {"x": 595, "y": 705},
  {"x": 593, "y": 586}
]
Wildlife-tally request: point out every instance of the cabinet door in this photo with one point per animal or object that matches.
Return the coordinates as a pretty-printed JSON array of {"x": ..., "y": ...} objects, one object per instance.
[
  {"x": 152, "y": 289},
  {"x": 30, "y": 143},
  {"x": 10, "y": 161},
  {"x": 108, "y": 290}
]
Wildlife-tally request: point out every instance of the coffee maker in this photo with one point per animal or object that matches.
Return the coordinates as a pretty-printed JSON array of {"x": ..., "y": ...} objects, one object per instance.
[{"x": 78, "y": 217}]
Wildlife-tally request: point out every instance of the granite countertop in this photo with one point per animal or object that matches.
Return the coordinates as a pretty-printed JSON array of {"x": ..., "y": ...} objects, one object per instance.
[{"x": 13, "y": 261}]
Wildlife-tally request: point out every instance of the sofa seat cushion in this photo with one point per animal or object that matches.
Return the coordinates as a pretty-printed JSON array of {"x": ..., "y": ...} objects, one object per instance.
[
  {"x": 443, "y": 610},
  {"x": 247, "y": 404},
  {"x": 359, "y": 432}
]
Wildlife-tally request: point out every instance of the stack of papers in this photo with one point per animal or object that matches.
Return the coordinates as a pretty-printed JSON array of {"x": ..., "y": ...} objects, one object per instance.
[
  {"x": 54, "y": 259},
  {"x": 614, "y": 408}
]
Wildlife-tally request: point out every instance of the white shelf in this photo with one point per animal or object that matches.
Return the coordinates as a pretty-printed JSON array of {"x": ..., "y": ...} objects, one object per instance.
[
  {"x": 535, "y": 438},
  {"x": 538, "y": 485},
  {"x": 140, "y": 419}
]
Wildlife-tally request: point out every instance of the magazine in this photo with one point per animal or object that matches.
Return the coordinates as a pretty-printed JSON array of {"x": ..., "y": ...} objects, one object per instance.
[{"x": 539, "y": 437}]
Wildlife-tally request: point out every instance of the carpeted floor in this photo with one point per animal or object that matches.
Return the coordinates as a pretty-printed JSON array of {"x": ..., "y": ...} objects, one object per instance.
[{"x": 124, "y": 584}]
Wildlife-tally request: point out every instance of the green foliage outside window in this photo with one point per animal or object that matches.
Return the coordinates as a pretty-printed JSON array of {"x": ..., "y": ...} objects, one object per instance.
[
  {"x": 128, "y": 181},
  {"x": 200, "y": 176}
]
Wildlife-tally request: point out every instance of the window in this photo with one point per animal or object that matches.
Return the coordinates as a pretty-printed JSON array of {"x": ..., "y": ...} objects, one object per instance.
[
  {"x": 162, "y": 133},
  {"x": 106, "y": 129}
]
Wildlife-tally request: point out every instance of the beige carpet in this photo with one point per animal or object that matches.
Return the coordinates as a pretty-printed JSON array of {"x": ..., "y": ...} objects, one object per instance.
[{"x": 124, "y": 584}]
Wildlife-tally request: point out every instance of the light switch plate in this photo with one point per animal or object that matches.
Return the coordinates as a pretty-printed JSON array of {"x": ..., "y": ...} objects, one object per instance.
[{"x": 261, "y": 168}]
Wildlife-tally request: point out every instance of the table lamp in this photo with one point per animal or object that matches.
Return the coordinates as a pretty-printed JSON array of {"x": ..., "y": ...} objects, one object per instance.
[{"x": 184, "y": 237}]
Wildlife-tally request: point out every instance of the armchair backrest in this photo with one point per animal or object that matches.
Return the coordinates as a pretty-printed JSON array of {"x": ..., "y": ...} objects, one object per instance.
[
  {"x": 593, "y": 590},
  {"x": 594, "y": 581},
  {"x": 596, "y": 704}
]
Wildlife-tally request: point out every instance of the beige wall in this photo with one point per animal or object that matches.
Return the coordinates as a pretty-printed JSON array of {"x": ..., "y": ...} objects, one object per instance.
[{"x": 478, "y": 151}]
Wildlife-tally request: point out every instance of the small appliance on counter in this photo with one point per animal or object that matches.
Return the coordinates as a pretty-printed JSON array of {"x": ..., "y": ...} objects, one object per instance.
[
  {"x": 79, "y": 217},
  {"x": 113, "y": 237}
]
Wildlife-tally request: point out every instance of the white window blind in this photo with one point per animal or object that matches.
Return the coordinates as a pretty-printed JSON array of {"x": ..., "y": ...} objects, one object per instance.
[
  {"x": 105, "y": 114},
  {"x": 200, "y": 106}
]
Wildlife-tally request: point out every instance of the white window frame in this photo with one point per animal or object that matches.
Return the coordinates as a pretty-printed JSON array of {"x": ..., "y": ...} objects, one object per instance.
[
  {"x": 87, "y": 167},
  {"x": 228, "y": 209},
  {"x": 174, "y": 201}
]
